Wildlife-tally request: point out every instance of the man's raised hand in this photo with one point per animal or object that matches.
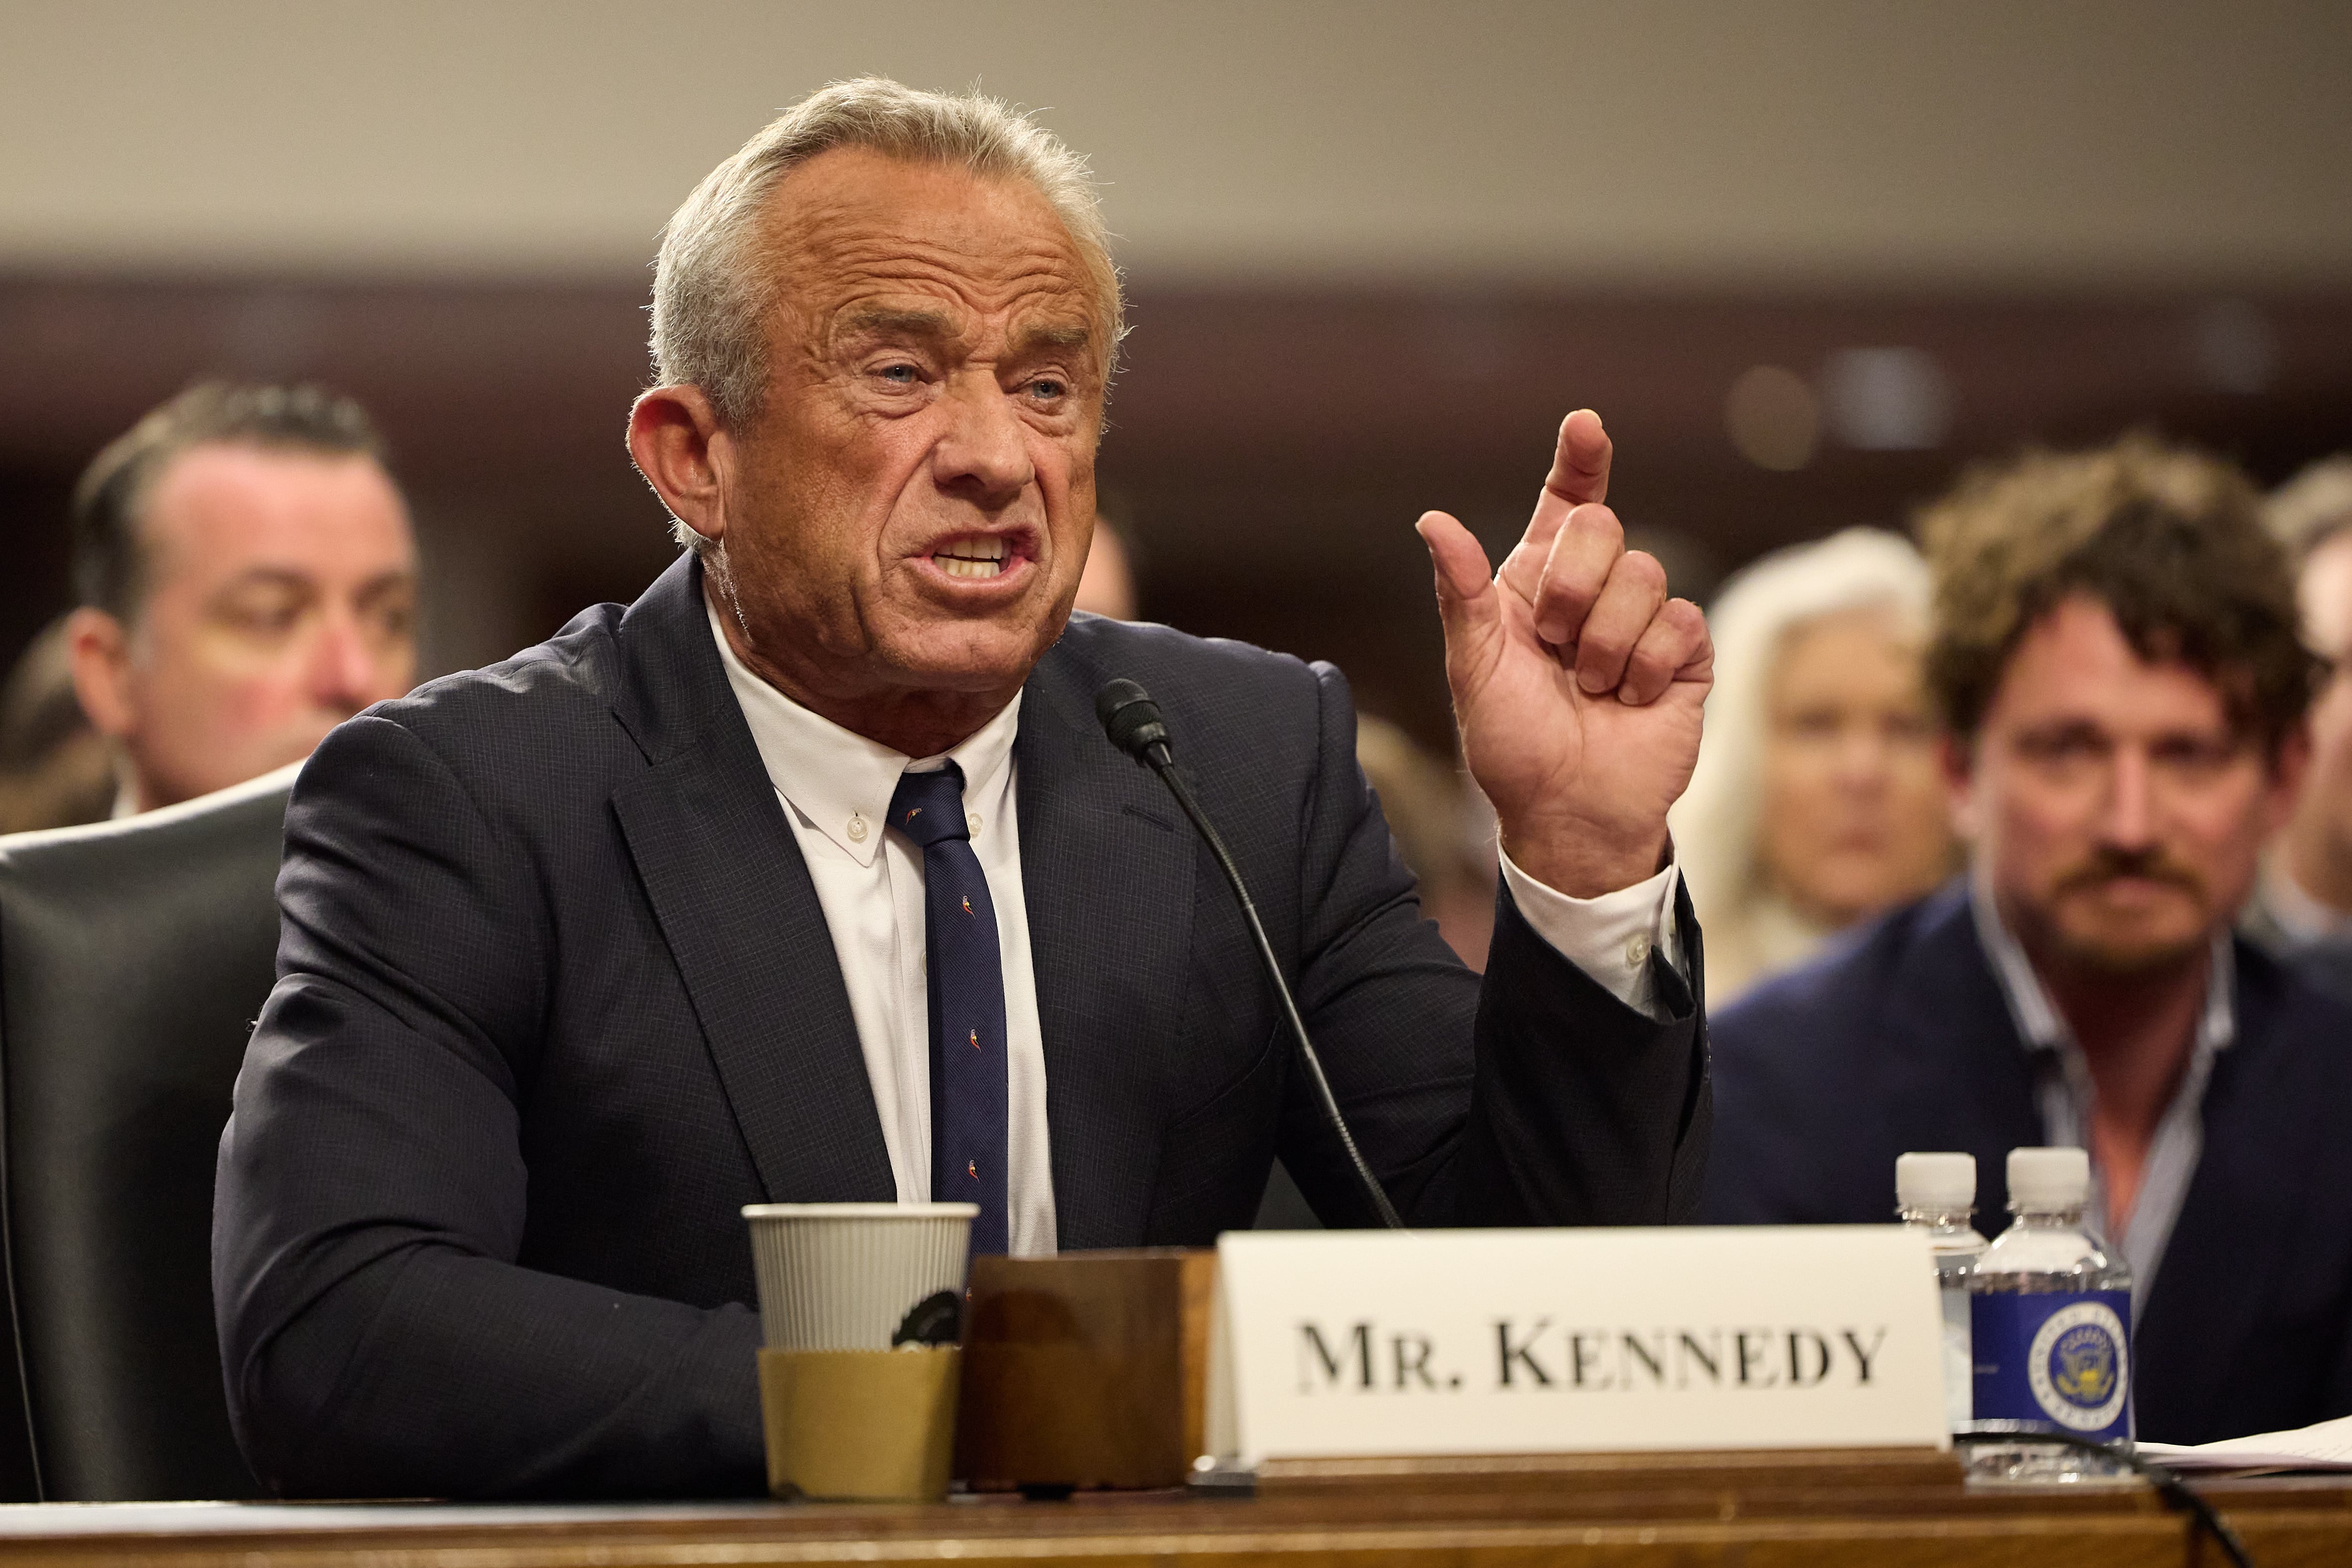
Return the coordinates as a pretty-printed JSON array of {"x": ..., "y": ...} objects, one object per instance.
[{"x": 1576, "y": 682}]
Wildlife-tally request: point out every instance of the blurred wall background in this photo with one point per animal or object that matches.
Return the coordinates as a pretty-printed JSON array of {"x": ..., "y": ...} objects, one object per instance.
[{"x": 1807, "y": 259}]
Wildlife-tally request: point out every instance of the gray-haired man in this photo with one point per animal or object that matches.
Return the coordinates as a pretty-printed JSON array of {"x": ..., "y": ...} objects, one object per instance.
[{"x": 811, "y": 875}]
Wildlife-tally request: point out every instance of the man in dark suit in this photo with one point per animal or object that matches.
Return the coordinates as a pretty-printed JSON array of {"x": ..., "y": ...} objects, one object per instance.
[
  {"x": 811, "y": 875},
  {"x": 2116, "y": 652}
]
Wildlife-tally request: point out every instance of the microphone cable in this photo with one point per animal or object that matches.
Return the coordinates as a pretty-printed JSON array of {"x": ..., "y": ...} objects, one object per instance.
[{"x": 1134, "y": 724}]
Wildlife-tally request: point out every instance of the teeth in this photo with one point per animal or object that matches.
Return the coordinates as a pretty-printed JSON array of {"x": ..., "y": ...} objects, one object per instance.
[{"x": 972, "y": 558}]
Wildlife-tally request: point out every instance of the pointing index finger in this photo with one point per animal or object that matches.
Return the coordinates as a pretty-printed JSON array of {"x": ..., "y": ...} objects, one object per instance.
[
  {"x": 1580, "y": 465},
  {"x": 1580, "y": 473}
]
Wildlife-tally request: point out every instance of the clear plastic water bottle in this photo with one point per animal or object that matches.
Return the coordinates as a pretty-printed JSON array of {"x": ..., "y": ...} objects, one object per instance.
[
  {"x": 2050, "y": 1318},
  {"x": 1936, "y": 1195}
]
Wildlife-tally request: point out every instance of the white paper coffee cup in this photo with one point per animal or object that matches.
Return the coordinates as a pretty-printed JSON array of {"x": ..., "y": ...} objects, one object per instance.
[{"x": 859, "y": 1276}]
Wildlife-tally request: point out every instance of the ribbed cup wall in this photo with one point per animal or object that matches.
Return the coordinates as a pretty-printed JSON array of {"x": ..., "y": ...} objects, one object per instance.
[{"x": 842, "y": 1277}]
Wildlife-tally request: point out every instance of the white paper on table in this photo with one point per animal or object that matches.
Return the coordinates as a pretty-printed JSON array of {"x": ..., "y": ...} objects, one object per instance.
[{"x": 2326, "y": 1447}]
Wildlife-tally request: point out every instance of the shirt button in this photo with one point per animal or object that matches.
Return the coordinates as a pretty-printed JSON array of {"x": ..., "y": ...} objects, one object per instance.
[
  {"x": 972, "y": 822},
  {"x": 1637, "y": 949},
  {"x": 858, "y": 830}
]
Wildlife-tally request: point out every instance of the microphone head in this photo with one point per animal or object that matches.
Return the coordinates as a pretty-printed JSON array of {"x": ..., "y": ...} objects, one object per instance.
[{"x": 1130, "y": 718}]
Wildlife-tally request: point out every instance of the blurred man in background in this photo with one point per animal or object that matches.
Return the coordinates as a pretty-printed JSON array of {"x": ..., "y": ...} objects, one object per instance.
[
  {"x": 2301, "y": 907},
  {"x": 2116, "y": 656},
  {"x": 247, "y": 582},
  {"x": 1818, "y": 800}
]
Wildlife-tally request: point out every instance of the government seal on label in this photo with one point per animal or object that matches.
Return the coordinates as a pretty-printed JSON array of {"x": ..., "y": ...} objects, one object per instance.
[{"x": 2078, "y": 1367}]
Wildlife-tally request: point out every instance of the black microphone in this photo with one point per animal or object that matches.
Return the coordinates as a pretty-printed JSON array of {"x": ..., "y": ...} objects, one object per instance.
[{"x": 1132, "y": 722}]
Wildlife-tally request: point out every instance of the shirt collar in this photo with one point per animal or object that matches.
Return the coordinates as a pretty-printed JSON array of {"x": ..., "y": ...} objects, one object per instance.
[
  {"x": 840, "y": 782},
  {"x": 2041, "y": 1026}
]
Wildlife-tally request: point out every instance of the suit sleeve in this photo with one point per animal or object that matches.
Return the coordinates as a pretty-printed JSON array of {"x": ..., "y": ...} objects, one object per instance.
[
  {"x": 377, "y": 1335},
  {"x": 1535, "y": 1097}
]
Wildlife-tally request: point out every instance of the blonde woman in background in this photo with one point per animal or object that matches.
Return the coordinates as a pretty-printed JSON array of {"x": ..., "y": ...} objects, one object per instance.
[{"x": 1818, "y": 800}]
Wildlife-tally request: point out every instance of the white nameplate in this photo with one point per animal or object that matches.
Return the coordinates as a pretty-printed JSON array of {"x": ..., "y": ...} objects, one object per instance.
[{"x": 1524, "y": 1341}]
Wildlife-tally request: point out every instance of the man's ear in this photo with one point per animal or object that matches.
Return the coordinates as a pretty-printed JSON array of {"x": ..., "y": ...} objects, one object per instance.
[
  {"x": 98, "y": 651},
  {"x": 1957, "y": 757},
  {"x": 684, "y": 451}
]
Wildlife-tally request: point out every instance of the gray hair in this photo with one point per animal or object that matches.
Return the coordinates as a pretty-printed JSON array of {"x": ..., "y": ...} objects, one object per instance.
[
  {"x": 2312, "y": 508},
  {"x": 709, "y": 292}
]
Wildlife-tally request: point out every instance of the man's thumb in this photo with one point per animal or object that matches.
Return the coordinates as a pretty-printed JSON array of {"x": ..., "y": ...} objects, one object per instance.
[{"x": 1465, "y": 581}]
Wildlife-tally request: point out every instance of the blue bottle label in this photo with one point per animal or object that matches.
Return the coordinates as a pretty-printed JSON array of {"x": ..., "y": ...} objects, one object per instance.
[{"x": 2062, "y": 1359}]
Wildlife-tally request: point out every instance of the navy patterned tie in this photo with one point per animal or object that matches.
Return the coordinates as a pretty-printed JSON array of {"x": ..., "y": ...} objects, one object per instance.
[{"x": 966, "y": 985}]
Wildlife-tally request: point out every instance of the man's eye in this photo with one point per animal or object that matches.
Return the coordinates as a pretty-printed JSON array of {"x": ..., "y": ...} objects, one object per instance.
[
  {"x": 2196, "y": 756},
  {"x": 1816, "y": 723},
  {"x": 268, "y": 618},
  {"x": 1047, "y": 388},
  {"x": 900, "y": 374}
]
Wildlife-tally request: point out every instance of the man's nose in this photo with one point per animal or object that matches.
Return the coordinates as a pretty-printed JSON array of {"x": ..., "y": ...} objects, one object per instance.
[
  {"x": 984, "y": 454},
  {"x": 2131, "y": 812},
  {"x": 1861, "y": 758},
  {"x": 343, "y": 668}
]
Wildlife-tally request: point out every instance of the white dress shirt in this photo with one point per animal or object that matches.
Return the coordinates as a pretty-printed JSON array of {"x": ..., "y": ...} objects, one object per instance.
[
  {"x": 834, "y": 788},
  {"x": 2064, "y": 1094}
]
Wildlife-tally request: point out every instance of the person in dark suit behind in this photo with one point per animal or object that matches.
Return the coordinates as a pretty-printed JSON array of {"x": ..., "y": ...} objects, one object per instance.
[
  {"x": 810, "y": 875},
  {"x": 2116, "y": 652}
]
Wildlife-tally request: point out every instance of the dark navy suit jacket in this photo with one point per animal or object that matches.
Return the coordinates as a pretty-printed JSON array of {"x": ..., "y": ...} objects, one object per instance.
[
  {"x": 1901, "y": 1040},
  {"x": 557, "y": 998}
]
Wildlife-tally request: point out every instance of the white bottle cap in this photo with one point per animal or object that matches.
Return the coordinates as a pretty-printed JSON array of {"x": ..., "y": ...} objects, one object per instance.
[
  {"x": 2045, "y": 1179},
  {"x": 1945, "y": 1181}
]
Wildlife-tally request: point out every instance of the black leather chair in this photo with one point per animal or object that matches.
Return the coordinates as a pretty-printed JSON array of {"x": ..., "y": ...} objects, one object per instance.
[{"x": 134, "y": 957}]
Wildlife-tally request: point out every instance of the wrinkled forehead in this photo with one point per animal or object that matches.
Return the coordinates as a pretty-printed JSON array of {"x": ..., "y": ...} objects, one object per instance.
[{"x": 852, "y": 229}]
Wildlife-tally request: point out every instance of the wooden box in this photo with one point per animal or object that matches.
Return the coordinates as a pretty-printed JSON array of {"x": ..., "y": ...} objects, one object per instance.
[{"x": 1086, "y": 1370}]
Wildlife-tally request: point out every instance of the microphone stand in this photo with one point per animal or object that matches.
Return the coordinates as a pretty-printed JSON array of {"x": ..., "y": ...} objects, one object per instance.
[{"x": 1135, "y": 726}]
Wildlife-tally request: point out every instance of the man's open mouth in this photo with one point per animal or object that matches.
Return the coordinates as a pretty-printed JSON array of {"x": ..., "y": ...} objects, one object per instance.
[{"x": 973, "y": 557}]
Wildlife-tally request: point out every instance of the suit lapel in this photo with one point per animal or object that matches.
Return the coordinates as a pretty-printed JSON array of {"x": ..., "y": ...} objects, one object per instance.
[
  {"x": 2260, "y": 1132},
  {"x": 735, "y": 904},
  {"x": 1106, "y": 869},
  {"x": 1963, "y": 1078}
]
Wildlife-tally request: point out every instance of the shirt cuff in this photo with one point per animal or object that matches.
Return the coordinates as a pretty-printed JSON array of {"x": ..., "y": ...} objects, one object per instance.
[{"x": 1610, "y": 938}]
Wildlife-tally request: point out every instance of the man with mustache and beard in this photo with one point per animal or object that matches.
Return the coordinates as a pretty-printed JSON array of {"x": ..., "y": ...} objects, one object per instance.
[{"x": 2115, "y": 653}]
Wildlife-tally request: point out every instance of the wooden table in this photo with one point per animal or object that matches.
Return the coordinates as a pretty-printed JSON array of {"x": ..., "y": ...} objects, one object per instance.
[{"x": 1773, "y": 1516}]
